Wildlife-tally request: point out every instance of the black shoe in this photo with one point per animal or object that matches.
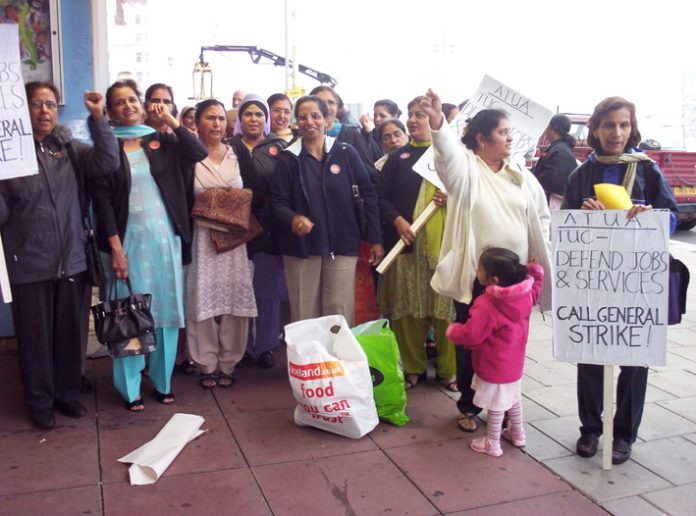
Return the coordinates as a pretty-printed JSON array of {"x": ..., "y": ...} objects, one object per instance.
[
  {"x": 587, "y": 445},
  {"x": 620, "y": 451},
  {"x": 266, "y": 360},
  {"x": 44, "y": 418},
  {"x": 70, "y": 408}
]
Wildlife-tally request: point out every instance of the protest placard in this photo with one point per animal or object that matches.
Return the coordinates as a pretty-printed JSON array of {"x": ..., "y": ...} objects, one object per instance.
[
  {"x": 610, "y": 280},
  {"x": 17, "y": 155},
  {"x": 527, "y": 121}
]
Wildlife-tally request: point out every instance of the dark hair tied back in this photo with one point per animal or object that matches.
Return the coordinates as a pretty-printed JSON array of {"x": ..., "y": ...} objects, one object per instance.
[
  {"x": 483, "y": 123},
  {"x": 504, "y": 264}
]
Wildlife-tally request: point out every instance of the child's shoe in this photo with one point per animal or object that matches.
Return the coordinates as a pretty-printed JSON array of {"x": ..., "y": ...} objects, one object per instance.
[
  {"x": 487, "y": 446},
  {"x": 516, "y": 438}
]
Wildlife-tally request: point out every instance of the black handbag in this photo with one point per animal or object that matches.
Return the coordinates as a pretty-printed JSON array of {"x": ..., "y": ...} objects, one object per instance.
[
  {"x": 125, "y": 325},
  {"x": 95, "y": 267},
  {"x": 358, "y": 201}
]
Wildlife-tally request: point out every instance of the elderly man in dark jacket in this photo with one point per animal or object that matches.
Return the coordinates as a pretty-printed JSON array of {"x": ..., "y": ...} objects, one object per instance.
[{"x": 44, "y": 241}]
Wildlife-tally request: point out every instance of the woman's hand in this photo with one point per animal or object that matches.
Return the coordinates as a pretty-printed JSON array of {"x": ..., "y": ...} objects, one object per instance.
[
  {"x": 403, "y": 228},
  {"x": 440, "y": 198},
  {"x": 636, "y": 209},
  {"x": 301, "y": 225},
  {"x": 119, "y": 264},
  {"x": 592, "y": 204},
  {"x": 160, "y": 114},
  {"x": 432, "y": 106},
  {"x": 366, "y": 123},
  {"x": 95, "y": 104},
  {"x": 376, "y": 254}
]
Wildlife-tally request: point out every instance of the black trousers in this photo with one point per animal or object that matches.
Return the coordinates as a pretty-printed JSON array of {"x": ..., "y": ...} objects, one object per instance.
[
  {"x": 465, "y": 369},
  {"x": 46, "y": 317},
  {"x": 630, "y": 400}
]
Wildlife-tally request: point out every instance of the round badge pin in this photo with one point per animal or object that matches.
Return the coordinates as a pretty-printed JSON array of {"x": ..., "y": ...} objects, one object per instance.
[
  {"x": 335, "y": 169},
  {"x": 273, "y": 151},
  {"x": 154, "y": 145},
  {"x": 231, "y": 156},
  {"x": 405, "y": 155}
]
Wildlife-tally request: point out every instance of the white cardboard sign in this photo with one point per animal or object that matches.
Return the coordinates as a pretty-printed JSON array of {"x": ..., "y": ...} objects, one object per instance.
[
  {"x": 527, "y": 119},
  {"x": 17, "y": 155},
  {"x": 610, "y": 280}
]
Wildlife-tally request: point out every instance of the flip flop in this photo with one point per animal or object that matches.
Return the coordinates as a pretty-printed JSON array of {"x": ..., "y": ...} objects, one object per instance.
[
  {"x": 411, "y": 380},
  {"x": 448, "y": 383},
  {"x": 467, "y": 422}
]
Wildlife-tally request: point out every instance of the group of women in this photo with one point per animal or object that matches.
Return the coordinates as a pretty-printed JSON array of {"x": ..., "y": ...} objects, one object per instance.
[{"x": 143, "y": 179}]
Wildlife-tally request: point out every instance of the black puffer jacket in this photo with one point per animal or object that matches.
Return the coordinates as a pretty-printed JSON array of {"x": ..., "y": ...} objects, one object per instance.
[{"x": 40, "y": 215}]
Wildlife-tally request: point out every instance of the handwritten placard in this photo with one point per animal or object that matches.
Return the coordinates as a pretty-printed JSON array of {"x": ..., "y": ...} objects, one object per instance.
[
  {"x": 610, "y": 280},
  {"x": 17, "y": 155},
  {"x": 527, "y": 121}
]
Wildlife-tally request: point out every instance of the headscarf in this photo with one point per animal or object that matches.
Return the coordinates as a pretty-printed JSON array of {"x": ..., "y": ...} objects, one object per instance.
[
  {"x": 131, "y": 132},
  {"x": 252, "y": 98}
]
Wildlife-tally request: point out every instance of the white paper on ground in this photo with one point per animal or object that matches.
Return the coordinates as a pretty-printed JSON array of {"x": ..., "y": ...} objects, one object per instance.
[{"x": 152, "y": 459}]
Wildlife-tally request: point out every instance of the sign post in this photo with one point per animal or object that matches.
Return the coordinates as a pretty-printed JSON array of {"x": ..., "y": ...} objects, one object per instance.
[{"x": 610, "y": 280}]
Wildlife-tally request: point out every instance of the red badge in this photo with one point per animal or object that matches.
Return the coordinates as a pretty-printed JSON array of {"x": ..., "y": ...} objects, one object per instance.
[
  {"x": 232, "y": 155},
  {"x": 154, "y": 145},
  {"x": 273, "y": 150},
  {"x": 335, "y": 169},
  {"x": 405, "y": 155}
]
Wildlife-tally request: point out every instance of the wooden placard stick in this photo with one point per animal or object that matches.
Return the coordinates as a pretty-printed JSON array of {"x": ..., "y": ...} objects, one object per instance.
[{"x": 417, "y": 225}]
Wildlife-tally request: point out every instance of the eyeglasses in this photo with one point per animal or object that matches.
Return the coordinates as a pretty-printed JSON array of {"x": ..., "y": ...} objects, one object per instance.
[{"x": 38, "y": 104}]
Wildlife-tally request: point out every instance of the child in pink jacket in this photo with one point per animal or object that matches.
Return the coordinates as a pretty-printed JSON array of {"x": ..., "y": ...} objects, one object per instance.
[{"x": 496, "y": 333}]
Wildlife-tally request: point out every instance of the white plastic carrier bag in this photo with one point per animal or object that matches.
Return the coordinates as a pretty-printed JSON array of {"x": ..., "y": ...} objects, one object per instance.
[{"x": 330, "y": 377}]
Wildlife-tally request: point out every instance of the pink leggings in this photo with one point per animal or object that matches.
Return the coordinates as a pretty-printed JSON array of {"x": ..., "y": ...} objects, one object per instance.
[{"x": 495, "y": 421}]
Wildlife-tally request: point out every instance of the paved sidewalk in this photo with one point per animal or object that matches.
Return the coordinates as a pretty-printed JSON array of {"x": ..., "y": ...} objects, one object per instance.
[{"x": 255, "y": 460}]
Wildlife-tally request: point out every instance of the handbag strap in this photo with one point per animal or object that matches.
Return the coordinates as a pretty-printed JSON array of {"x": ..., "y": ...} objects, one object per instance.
[{"x": 112, "y": 287}]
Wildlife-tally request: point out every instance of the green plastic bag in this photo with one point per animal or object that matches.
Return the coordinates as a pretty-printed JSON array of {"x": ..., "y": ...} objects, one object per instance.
[{"x": 382, "y": 350}]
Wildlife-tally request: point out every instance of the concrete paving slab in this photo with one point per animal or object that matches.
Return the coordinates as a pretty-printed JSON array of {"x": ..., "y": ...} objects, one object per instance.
[
  {"x": 568, "y": 504},
  {"x": 78, "y": 500},
  {"x": 552, "y": 373},
  {"x": 219, "y": 492},
  {"x": 674, "y": 500},
  {"x": 540, "y": 332},
  {"x": 677, "y": 357},
  {"x": 632, "y": 506},
  {"x": 542, "y": 447},
  {"x": 690, "y": 437},
  {"x": 654, "y": 395},
  {"x": 361, "y": 483},
  {"x": 686, "y": 352},
  {"x": 272, "y": 437},
  {"x": 659, "y": 422},
  {"x": 674, "y": 459},
  {"x": 533, "y": 411},
  {"x": 564, "y": 430},
  {"x": 539, "y": 351},
  {"x": 559, "y": 399},
  {"x": 677, "y": 383},
  {"x": 257, "y": 390},
  {"x": 529, "y": 384},
  {"x": 621, "y": 481},
  {"x": 467, "y": 484},
  {"x": 37, "y": 460},
  {"x": 682, "y": 335},
  {"x": 685, "y": 407}
]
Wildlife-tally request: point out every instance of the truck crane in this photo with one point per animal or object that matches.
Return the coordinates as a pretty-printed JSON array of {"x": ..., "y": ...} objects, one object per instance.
[{"x": 256, "y": 54}]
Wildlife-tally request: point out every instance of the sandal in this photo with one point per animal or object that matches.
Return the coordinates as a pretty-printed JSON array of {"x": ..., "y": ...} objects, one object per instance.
[
  {"x": 226, "y": 380},
  {"x": 165, "y": 399},
  {"x": 449, "y": 384},
  {"x": 411, "y": 380},
  {"x": 207, "y": 380},
  {"x": 467, "y": 422},
  {"x": 137, "y": 405}
]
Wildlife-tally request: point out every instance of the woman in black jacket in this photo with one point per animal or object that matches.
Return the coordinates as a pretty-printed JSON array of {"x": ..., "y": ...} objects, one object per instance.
[
  {"x": 143, "y": 218},
  {"x": 557, "y": 161},
  {"x": 319, "y": 232},
  {"x": 44, "y": 243}
]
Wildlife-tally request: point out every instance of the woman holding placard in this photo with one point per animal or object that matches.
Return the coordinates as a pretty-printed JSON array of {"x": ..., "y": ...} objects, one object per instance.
[
  {"x": 44, "y": 241},
  {"x": 492, "y": 202},
  {"x": 614, "y": 135},
  {"x": 405, "y": 292}
]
